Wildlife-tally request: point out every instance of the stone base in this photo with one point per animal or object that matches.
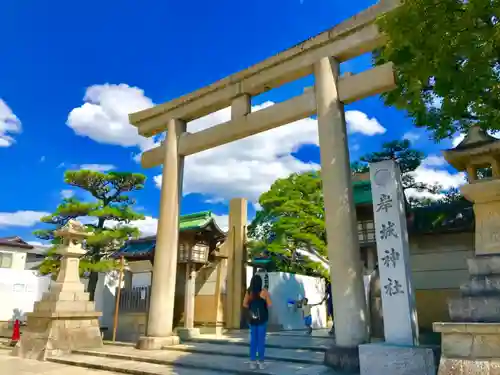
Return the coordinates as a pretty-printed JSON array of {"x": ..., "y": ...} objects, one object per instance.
[
  {"x": 157, "y": 343},
  {"x": 342, "y": 359},
  {"x": 469, "y": 348},
  {"x": 58, "y": 334},
  {"x": 384, "y": 359},
  {"x": 188, "y": 333},
  {"x": 450, "y": 366}
]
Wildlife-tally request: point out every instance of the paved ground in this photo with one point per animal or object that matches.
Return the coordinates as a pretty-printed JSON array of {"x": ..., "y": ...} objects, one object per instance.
[
  {"x": 12, "y": 365},
  {"x": 297, "y": 355}
]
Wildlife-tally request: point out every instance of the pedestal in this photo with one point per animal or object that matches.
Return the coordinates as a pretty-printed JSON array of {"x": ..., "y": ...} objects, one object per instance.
[
  {"x": 469, "y": 348},
  {"x": 471, "y": 343},
  {"x": 344, "y": 360},
  {"x": 388, "y": 359},
  {"x": 59, "y": 326}
]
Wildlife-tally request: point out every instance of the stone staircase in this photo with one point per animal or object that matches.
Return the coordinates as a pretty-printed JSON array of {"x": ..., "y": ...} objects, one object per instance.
[
  {"x": 290, "y": 355},
  {"x": 480, "y": 296}
]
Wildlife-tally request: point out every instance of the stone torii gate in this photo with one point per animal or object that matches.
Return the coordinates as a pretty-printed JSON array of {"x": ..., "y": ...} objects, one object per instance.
[{"x": 320, "y": 56}]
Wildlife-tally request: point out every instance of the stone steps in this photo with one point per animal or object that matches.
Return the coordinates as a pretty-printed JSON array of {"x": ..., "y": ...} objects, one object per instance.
[
  {"x": 293, "y": 343},
  {"x": 273, "y": 354},
  {"x": 484, "y": 265},
  {"x": 482, "y": 285},
  {"x": 187, "y": 360},
  {"x": 474, "y": 309}
]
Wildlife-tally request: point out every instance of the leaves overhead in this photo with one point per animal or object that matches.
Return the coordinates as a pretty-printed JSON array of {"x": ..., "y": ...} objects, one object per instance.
[{"x": 447, "y": 59}]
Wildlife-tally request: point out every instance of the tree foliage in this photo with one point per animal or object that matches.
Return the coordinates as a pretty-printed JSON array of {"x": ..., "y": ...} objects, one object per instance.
[
  {"x": 291, "y": 219},
  {"x": 108, "y": 217},
  {"x": 447, "y": 59}
]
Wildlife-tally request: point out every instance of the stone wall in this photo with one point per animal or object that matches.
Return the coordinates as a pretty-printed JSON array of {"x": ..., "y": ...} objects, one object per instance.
[{"x": 439, "y": 268}]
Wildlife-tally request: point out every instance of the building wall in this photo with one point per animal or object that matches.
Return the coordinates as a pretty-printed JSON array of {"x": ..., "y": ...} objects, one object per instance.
[
  {"x": 18, "y": 257},
  {"x": 439, "y": 264}
]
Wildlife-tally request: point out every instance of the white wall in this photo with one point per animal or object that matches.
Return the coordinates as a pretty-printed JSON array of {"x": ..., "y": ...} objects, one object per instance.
[
  {"x": 18, "y": 257},
  {"x": 19, "y": 290},
  {"x": 283, "y": 286}
]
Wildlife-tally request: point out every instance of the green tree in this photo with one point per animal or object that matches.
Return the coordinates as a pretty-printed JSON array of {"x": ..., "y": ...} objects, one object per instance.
[
  {"x": 291, "y": 219},
  {"x": 447, "y": 59},
  {"x": 107, "y": 217}
]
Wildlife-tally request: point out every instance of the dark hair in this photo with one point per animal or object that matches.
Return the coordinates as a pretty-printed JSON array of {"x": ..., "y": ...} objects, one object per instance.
[{"x": 255, "y": 287}]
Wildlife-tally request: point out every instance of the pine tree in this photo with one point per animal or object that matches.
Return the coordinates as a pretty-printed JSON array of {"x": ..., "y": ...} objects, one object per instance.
[{"x": 108, "y": 217}]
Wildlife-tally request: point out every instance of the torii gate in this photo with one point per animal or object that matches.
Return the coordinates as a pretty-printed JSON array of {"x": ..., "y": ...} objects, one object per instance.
[{"x": 320, "y": 56}]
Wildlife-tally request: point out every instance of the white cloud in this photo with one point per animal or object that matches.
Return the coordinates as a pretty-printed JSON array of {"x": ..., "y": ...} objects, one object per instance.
[
  {"x": 434, "y": 160},
  {"x": 431, "y": 172},
  {"x": 104, "y": 115},
  {"x": 457, "y": 139},
  {"x": 240, "y": 169},
  {"x": 98, "y": 167},
  {"x": 42, "y": 159},
  {"x": 147, "y": 227},
  {"x": 20, "y": 218},
  {"x": 39, "y": 244},
  {"x": 67, "y": 193},
  {"x": 246, "y": 168},
  {"x": 9, "y": 123},
  {"x": 222, "y": 221},
  {"x": 411, "y": 136},
  {"x": 359, "y": 122}
]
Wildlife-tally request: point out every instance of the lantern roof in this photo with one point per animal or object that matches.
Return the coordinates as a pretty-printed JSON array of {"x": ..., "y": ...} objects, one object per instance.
[{"x": 476, "y": 145}]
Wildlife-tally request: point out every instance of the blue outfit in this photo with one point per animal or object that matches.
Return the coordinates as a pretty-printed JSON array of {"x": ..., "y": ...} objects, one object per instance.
[
  {"x": 258, "y": 341},
  {"x": 308, "y": 320}
]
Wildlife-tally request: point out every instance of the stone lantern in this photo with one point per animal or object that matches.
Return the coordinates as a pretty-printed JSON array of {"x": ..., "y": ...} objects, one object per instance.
[
  {"x": 64, "y": 319},
  {"x": 471, "y": 342},
  {"x": 479, "y": 150}
]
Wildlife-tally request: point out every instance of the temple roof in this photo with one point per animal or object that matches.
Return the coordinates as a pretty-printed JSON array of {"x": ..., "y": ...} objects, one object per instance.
[
  {"x": 439, "y": 218},
  {"x": 199, "y": 221},
  {"x": 15, "y": 241}
]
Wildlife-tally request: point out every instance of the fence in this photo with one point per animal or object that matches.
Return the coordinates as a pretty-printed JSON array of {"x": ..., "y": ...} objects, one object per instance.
[{"x": 135, "y": 299}]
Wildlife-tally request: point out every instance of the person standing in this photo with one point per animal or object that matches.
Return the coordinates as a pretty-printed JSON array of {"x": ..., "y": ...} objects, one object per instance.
[{"x": 257, "y": 301}]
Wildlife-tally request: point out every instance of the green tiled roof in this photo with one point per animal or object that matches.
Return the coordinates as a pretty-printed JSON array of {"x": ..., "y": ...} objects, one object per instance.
[
  {"x": 198, "y": 220},
  {"x": 145, "y": 246},
  {"x": 362, "y": 192}
]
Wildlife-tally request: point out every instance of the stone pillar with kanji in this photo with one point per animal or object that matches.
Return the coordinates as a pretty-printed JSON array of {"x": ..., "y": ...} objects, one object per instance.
[
  {"x": 64, "y": 319},
  {"x": 471, "y": 341}
]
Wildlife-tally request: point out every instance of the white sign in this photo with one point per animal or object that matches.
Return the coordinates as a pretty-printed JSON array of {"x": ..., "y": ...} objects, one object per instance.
[{"x": 398, "y": 295}]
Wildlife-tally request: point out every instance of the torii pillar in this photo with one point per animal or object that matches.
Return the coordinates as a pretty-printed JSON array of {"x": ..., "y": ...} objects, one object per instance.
[{"x": 236, "y": 264}]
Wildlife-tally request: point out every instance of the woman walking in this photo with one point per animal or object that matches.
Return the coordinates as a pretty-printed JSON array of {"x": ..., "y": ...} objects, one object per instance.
[{"x": 257, "y": 301}]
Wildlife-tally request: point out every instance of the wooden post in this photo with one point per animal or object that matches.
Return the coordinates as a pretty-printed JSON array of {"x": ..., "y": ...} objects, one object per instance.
[{"x": 118, "y": 295}]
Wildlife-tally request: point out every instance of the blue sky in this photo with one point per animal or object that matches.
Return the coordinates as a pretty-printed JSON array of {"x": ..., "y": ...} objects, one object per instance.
[{"x": 72, "y": 71}]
